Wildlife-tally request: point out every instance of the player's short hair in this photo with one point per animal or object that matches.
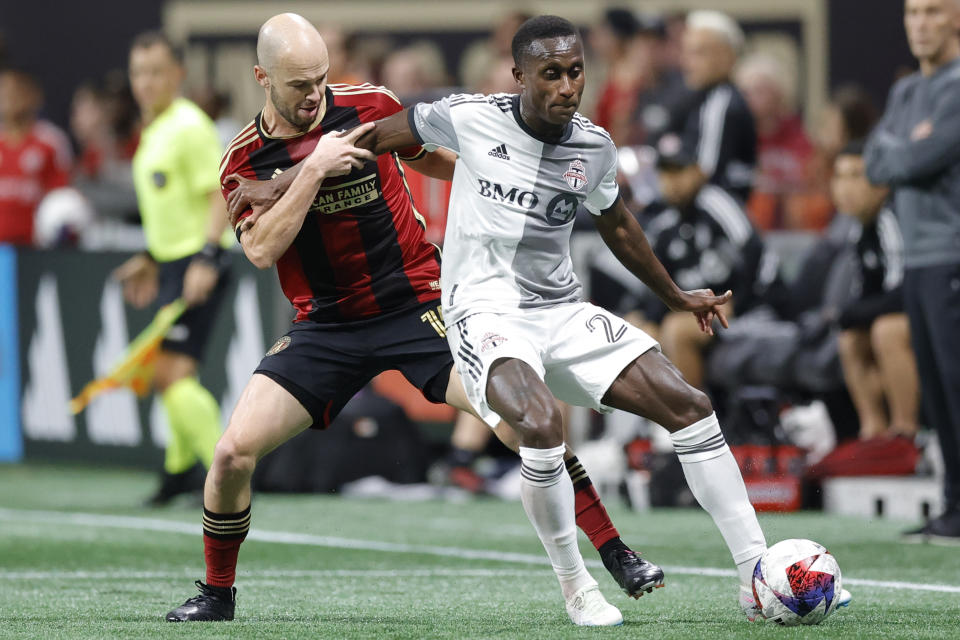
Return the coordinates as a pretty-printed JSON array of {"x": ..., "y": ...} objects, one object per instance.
[
  {"x": 149, "y": 39},
  {"x": 539, "y": 28},
  {"x": 853, "y": 148},
  {"x": 721, "y": 24}
]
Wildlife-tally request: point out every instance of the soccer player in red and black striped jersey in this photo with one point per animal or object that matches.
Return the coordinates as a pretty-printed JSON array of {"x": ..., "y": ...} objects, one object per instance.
[{"x": 352, "y": 258}]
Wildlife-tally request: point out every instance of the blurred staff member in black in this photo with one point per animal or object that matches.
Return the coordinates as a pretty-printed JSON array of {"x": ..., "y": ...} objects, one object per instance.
[
  {"x": 916, "y": 150},
  {"x": 878, "y": 362},
  {"x": 719, "y": 125},
  {"x": 705, "y": 240}
]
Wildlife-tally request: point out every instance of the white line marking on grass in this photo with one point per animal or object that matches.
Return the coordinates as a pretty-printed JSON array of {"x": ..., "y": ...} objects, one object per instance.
[
  {"x": 287, "y": 537},
  {"x": 126, "y": 574}
]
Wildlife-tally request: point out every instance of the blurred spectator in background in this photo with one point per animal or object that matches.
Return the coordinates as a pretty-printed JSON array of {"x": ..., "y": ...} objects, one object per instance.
[
  {"x": 784, "y": 153},
  {"x": 675, "y": 25},
  {"x": 484, "y": 55},
  {"x": 612, "y": 41},
  {"x": 719, "y": 124},
  {"x": 35, "y": 156},
  {"x": 849, "y": 115},
  {"x": 499, "y": 78},
  {"x": 662, "y": 93},
  {"x": 416, "y": 73},
  {"x": 216, "y": 104},
  {"x": 916, "y": 151},
  {"x": 878, "y": 363},
  {"x": 345, "y": 65},
  {"x": 176, "y": 173},
  {"x": 105, "y": 129},
  {"x": 705, "y": 240}
]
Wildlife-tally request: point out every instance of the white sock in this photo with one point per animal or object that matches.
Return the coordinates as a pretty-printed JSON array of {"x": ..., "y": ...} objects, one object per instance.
[
  {"x": 547, "y": 495},
  {"x": 714, "y": 478}
]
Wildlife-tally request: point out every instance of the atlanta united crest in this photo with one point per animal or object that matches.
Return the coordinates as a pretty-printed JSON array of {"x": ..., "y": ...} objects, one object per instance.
[
  {"x": 576, "y": 176},
  {"x": 279, "y": 345}
]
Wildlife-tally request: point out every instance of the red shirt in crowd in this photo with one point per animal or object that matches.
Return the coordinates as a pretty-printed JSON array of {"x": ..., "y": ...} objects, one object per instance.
[
  {"x": 784, "y": 196},
  {"x": 30, "y": 166}
]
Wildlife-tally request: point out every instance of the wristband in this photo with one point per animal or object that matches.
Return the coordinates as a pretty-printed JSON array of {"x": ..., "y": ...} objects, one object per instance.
[{"x": 210, "y": 253}]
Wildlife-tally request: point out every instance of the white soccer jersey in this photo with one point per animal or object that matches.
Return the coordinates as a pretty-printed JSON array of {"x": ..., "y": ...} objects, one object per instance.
[{"x": 513, "y": 202}]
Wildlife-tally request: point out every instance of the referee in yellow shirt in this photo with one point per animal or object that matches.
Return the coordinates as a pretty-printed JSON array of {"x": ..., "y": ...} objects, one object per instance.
[{"x": 175, "y": 172}]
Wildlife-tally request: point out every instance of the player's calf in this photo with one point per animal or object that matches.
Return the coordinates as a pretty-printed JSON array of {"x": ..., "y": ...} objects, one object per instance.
[{"x": 634, "y": 575}]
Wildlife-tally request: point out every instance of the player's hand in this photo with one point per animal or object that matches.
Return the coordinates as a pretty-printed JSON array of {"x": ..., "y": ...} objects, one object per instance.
[
  {"x": 138, "y": 275},
  {"x": 706, "y": 306},
  {"x": 198, "y": 282},
  {"x": 254, "y": 194},
  {"x": 336, "y": 155}
]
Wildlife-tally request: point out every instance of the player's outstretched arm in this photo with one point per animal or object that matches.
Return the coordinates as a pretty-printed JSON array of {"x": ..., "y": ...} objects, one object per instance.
[
  {"x": 387, "y": 134},
  {"x": 335, "y": 154},
  {"x": 623, "y": 234}
]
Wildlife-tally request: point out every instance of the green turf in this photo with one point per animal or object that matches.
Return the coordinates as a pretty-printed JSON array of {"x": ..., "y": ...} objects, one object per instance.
[{"x": 63, "y": 578}]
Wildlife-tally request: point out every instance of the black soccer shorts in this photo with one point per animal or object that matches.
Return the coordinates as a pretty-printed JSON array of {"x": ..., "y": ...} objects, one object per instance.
[
  {"x": 324, "y": 365},
  {"x": 191, "y": 332}
]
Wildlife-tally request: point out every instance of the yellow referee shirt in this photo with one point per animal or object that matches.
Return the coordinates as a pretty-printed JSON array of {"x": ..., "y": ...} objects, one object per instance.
[{"x": 175, "y": 169}]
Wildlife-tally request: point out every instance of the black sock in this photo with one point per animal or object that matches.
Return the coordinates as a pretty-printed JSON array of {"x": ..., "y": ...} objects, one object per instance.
[{"x": 611, "y": 545}]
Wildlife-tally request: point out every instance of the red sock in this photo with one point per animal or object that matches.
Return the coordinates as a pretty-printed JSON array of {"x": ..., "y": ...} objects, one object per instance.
[
  {"x": 592, "y": 517},
  {"x": 222, "y": 535}
]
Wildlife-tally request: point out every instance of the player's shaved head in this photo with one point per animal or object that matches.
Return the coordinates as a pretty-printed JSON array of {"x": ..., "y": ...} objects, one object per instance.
[
  {"x": 292, "y": 66},
  {"x": 289, "y": 38}
]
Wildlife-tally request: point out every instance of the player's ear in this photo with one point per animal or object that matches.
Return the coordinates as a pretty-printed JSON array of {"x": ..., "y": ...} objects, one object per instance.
[
  {"x": 260, "y": 74},
  {"x": 518, "y": 76}
]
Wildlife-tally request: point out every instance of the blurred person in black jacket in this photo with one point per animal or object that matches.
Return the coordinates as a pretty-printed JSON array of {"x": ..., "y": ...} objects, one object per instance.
[
  {"x": 705, "y": 240},
  {"x": 719, "y": 124},
  {"x": 878, "y": 363}
]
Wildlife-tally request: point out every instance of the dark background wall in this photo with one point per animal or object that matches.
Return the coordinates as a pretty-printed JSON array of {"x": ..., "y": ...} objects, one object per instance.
[
  {"x": 67, "y": 42},
  {"x": 867, "y": 44}
]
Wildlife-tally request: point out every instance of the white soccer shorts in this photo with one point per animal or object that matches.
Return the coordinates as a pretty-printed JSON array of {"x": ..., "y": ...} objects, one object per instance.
[{"x": 577, "y": 349}]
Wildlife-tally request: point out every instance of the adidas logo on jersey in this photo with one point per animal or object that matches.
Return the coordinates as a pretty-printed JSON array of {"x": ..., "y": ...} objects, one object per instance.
[{"x": 499, "y": 152}]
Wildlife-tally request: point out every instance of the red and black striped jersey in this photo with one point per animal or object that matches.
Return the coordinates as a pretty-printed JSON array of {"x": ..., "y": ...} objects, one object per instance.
[{"x": 361, "y": 251}]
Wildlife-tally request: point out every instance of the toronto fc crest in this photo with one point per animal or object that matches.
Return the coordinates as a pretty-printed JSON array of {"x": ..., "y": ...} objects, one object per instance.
[{"x": 575, "y": 176}]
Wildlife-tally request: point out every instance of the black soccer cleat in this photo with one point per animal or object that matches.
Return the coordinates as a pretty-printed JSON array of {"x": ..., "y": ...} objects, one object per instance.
[
  {"x": 635, "y": 575},
  {"x": 175, "y": 484},
  {"x": 213, "y": 604}
]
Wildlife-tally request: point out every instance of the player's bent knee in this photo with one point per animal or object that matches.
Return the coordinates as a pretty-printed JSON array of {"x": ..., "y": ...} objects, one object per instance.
[
  {"x": 695, "y": 407},
  {"x": 699, "y": 407},
  {"x": 540, "y": 426},
  {"x": 232, "y": 460}
]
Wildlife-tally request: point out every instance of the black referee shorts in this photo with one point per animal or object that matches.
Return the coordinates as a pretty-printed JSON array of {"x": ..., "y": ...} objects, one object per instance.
[
  {"x": 191, "y": 333},
  {"x": 324, "y": 365}
]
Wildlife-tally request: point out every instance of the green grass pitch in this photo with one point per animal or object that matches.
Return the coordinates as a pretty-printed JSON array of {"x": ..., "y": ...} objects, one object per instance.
[{"x": 80, "y": 559}]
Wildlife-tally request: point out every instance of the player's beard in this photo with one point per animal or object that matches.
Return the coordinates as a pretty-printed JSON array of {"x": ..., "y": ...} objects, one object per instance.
[{"x": 289, "y": 114}]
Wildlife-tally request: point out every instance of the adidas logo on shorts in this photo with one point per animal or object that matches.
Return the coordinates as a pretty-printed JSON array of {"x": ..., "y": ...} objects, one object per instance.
[{"x": 499, "y": 152}]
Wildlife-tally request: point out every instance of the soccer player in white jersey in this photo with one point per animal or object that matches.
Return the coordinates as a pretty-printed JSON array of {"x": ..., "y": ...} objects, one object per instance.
[{"x": 519, "y": 332}]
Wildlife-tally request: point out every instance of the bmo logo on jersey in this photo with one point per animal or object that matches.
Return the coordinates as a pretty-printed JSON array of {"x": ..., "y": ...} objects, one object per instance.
[
  {"x": 559, "y": 211},
  {"x": 499, "y": 193}
]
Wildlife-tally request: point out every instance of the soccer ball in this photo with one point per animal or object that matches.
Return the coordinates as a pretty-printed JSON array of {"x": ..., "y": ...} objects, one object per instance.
[{"x": 797, "y": 582}]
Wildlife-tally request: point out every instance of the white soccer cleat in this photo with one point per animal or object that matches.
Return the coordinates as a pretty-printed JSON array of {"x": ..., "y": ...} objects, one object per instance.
[
  {"x": 845, "y": 599},
  {"x": 751, "y": 608},
  {"x": 588, "y": 608}
]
